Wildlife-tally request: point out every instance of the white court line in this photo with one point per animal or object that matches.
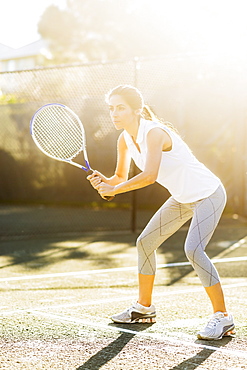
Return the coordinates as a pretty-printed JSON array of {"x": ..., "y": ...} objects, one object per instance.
[
  {"x": 233, "y": 247},
  {"x": 119, "y": 299},
  {"x": 117, "y": 269},
  {"x": 141, "y": 334}
]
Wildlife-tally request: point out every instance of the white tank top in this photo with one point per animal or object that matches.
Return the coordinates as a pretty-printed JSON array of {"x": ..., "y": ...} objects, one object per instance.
[{"x": 187, "y": 179}]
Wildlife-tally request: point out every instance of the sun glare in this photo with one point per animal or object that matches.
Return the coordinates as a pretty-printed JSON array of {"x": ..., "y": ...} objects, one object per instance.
[{"x": 212, "y": 26}]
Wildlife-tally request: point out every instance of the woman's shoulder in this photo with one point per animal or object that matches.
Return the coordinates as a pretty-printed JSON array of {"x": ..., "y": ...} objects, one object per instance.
[
  {"x": 147, "y": 124},
  {"x": 150, "y": 125},
  {"x": 125, "y": 137},
  {"x": 122, "y": 141}
]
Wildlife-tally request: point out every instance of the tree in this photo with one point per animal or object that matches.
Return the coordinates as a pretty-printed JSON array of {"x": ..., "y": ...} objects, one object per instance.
[
  {"x": 90, "y": 30},
  {"x": 106, "y": 29},
  {"x": 59, "y": 27}
]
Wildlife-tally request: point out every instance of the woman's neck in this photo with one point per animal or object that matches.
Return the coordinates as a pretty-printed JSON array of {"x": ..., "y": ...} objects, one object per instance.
[{"x": 133, "y": 129}]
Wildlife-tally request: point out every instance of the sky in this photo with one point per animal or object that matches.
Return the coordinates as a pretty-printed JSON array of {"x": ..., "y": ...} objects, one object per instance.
[{"x": 19, "y": 19}]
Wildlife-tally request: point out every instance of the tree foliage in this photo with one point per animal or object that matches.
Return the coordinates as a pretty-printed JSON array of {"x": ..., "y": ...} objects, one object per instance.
[{"x": 90, "y": 30}]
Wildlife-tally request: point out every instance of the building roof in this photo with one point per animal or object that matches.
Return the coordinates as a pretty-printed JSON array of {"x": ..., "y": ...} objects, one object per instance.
[{"x": 7, "y": 53}]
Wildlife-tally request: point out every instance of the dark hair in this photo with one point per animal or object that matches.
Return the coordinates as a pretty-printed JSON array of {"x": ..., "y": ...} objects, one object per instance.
[
  {"x": 131, "y": 95},
  {"x": 134, "y": 99}
]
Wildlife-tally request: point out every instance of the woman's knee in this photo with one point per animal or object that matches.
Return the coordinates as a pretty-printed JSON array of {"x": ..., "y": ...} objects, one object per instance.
[
  {"x": 138, "y": 242},
  {"x": 189, "y": 250}
]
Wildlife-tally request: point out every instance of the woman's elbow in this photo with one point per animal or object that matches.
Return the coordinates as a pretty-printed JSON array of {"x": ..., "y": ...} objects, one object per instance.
[
  {"x": 150, "y": 178},
  {"x": 120, "y": 179}
]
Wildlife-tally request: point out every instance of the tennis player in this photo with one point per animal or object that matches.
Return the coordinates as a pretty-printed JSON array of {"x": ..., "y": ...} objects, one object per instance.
[{"x": 196, "y": 194}]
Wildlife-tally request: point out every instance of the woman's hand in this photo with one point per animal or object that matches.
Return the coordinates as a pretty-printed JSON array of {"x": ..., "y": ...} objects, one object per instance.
[
  {"x": 95, "y": 179},
  {"x": 106, "y": 190}
]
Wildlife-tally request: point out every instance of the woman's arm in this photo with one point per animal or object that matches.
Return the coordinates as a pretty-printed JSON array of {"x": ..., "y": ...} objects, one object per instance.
[
  {"x": 157, "y": 141},
  {"x": 122, "y": 167}
]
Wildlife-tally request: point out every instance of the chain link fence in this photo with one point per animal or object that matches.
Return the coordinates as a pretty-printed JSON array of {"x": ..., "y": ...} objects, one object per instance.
[{"x": 204, "y": 97}]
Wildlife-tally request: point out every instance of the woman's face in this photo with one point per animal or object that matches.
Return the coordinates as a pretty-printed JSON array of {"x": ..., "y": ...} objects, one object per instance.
[{"x": 122, "y": 115}]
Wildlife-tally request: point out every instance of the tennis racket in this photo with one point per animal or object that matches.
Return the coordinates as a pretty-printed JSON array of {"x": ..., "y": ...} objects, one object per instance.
[{"x": 58, "y": 133}]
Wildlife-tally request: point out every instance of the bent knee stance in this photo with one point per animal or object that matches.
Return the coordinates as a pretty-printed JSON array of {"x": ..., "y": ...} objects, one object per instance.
[
  {"x": 206, "y": 216},
  {"x": 201, "y": 263},
  {"x": 168, "y": 219},
  {"x": 165, "y": 222}
]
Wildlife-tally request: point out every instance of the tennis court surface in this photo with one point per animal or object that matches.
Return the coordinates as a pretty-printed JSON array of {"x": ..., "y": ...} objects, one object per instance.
[{"x": 58, "y": 293}]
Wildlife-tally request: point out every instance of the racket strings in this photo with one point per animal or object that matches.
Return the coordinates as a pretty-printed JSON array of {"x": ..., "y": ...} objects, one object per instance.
[{"x": 58, "y": 132}]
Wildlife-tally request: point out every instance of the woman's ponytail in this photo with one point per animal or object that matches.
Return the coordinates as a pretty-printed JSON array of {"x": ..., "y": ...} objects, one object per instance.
[{"x": 149, "y": 115}]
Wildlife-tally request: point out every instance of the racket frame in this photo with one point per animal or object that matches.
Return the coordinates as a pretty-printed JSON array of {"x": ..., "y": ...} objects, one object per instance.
[{"x": 87, "y": 167}]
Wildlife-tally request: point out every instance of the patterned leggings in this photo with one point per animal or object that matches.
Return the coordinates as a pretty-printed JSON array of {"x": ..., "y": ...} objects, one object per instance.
[{"x": 169, "y": 218}]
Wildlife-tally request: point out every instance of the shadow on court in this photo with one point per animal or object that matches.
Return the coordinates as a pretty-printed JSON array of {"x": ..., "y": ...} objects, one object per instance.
[
  {"x": 195, "y": 361},
  {"x": 108, "y": 251},
  {"x": 107, "y": 353},
  {"x": 113, "y": 349},
  {"x": 35, "y": 251}
]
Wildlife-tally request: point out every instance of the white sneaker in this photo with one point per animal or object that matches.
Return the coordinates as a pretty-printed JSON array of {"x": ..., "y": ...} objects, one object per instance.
[
  {"x": 218, "y": 326},
  {"x": 136, "y": 313}
]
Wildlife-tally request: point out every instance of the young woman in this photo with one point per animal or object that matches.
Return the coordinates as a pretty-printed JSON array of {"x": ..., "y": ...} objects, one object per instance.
[{"x": 196, "y": 194}]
